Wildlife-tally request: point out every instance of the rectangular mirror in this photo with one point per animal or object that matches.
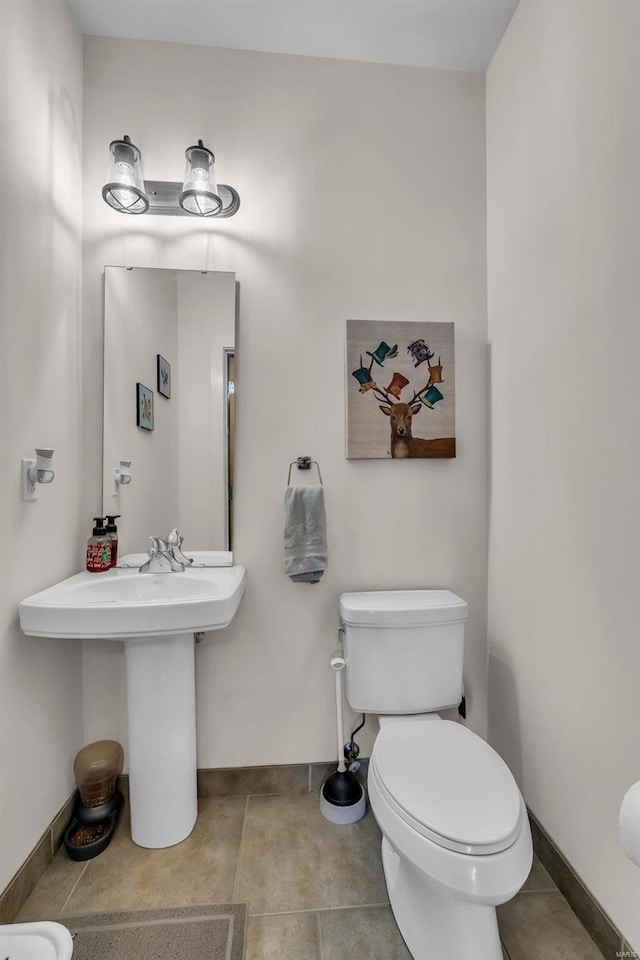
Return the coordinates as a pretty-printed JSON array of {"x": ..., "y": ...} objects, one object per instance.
[{"x": 169, "y": 361}]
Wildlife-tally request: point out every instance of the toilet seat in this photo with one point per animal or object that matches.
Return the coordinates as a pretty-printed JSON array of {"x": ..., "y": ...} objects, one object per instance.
[{"x": 449, "y": 785}]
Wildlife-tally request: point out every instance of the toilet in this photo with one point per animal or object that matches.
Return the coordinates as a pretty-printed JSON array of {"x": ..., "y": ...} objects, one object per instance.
[
  {"x": 455, "y": 833},
  {"x": 43, "y": 940}
]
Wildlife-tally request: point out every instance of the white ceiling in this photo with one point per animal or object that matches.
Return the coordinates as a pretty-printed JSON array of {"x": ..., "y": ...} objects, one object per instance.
[{"x": 446, "y": 34}]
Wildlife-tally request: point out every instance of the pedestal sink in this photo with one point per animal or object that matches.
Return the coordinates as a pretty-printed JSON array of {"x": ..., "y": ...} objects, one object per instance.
[{"x": 155, "y": 615}]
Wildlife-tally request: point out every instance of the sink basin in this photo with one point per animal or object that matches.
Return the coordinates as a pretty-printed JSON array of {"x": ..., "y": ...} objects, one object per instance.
[
  {"x": 124, "y": 603},
  {"x": 156, "y": 616}
]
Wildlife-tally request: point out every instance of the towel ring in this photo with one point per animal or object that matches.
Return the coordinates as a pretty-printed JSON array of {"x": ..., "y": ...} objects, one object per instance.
[{"x": 304, "y": 463}]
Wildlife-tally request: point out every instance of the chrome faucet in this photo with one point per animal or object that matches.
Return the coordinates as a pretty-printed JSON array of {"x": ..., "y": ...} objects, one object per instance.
[
  {"x": 161, "y": 560},
  {"x": 165, "y": 555}
]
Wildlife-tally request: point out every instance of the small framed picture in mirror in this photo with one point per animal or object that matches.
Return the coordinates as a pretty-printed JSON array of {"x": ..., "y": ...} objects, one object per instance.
[
  {"x": 164, "y": 377},
  {"x": 144, "y": 407}
]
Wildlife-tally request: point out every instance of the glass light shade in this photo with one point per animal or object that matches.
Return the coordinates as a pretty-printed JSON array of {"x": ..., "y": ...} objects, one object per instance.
[
  {"x": 124, "y": 187},
  {"x": 199, "y": 191}
]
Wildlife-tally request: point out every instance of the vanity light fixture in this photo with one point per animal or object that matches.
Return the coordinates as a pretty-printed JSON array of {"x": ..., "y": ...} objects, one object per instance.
[
  {"x": 197, "y": 195},
  {"x": 37, "y": 471},
  {"x": 124, "y": 189},
  {"x": 121, "y": 476}
]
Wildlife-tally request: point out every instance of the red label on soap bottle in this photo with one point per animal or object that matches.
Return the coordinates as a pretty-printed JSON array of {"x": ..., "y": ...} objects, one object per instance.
[{"x": 98, "y": 557}]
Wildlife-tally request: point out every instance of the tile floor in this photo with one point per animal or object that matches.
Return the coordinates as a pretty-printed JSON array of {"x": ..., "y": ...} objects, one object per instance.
[{"x": 315, "y": 891}]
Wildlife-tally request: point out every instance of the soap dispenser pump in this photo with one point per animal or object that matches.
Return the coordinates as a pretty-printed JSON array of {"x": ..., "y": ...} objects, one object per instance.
[
  {"x": 99, "y": 548},
  {"x": 112, "y": 533}
]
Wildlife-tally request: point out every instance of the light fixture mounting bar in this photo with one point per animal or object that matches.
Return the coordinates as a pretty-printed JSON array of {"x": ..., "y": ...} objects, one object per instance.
[{"x": 164, "y": 197}]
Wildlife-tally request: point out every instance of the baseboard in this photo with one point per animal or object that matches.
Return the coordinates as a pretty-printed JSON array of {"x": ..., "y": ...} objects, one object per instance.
[
  {"x": 21, "y": 885},
  {"x": 593, "y": 918},
  {"x": 259, "y": 781}
]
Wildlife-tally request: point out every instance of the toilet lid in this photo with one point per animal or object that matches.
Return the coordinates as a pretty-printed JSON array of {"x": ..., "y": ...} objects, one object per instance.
[{"x": 448, "y": 784}]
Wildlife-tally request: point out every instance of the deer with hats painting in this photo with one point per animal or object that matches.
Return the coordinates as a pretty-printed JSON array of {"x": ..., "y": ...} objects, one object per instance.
[{"x": 403, "y": 444}]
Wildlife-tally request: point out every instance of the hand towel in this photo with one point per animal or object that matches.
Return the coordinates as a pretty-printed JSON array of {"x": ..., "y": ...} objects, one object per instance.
[{"x": 305, "y": 537}]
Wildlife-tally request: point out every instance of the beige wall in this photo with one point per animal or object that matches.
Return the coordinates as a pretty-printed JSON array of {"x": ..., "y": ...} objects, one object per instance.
[
  {"x": 563, "y": 155},
  {"x": 363, "y": 194},
  {"x": 40, "y": 389}
]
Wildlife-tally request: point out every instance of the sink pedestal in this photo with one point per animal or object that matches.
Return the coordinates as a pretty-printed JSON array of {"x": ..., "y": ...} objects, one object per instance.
[{"x": 161, "y": 704}]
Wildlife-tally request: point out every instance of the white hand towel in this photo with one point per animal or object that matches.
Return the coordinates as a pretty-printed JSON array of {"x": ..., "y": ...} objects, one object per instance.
[{"x": 305, "y": 537}]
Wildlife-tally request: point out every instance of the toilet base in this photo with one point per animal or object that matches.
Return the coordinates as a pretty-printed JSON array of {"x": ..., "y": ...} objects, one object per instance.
[{"x": 436, "y": 927}]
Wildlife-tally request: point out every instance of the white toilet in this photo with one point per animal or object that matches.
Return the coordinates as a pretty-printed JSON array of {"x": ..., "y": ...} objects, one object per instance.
[
  {"x": 44, "y": 940},
  {"x": 456, "y": 838}
]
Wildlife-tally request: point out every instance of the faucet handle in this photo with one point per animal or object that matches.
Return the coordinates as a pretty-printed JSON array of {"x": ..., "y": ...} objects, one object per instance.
[
  {"x": 158, "y": 545},
  {"x": 175, "y": 541}
]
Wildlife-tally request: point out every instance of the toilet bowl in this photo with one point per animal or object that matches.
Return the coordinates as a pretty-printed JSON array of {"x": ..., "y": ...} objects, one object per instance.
[
  {"x": 35, "y": 941},
  {"x": 456, "y": 837}
]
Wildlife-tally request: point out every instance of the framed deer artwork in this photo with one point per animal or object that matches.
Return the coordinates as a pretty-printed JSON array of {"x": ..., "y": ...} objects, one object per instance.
[{"x": 400, "y": 390}]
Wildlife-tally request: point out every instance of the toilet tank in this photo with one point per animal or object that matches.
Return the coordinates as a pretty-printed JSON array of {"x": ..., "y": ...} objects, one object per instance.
[{"x": 403, "y": 650}]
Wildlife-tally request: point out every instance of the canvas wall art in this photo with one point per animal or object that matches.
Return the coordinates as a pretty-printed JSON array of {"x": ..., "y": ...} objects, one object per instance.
[{"x": 400, "y": 390}]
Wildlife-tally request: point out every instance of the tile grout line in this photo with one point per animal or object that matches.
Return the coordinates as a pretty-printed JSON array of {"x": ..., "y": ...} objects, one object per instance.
[
  {"x": 244, "y": 796},
  {"x": 319, "y": 935},
  {"x": 236, "y": 882},
  {"x": 504, "y": 949},
  {"x": 356, "y": 906},
  {"x": 74, "y": 888},
  {"x": 524, "y": 893},
  {"x": 319, "y": 910}
]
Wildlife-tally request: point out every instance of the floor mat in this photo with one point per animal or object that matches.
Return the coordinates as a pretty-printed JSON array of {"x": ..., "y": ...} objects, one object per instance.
[{"x": 205, "y": 932}]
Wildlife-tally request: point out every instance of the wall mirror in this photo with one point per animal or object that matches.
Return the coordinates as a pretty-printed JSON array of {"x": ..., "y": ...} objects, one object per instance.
[{"x": 169, "y": 389}]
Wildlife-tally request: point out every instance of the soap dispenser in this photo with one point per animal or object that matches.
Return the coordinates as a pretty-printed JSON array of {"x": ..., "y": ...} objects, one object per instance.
[
  {"x": 99, "y": 548},
  {"x": 112, "y": 532}
]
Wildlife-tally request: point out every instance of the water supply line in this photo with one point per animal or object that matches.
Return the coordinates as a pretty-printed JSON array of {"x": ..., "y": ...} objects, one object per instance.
[{"x": 351, "y": 748}]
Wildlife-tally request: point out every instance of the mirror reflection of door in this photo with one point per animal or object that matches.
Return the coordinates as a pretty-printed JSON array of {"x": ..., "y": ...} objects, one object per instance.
[
  {"x": 231, "y": 406},
  {"x": 172, "y": 332}
]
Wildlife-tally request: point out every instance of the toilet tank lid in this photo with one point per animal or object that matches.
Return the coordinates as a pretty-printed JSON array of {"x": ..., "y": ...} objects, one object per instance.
[{"x": 391, "y": 608}]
